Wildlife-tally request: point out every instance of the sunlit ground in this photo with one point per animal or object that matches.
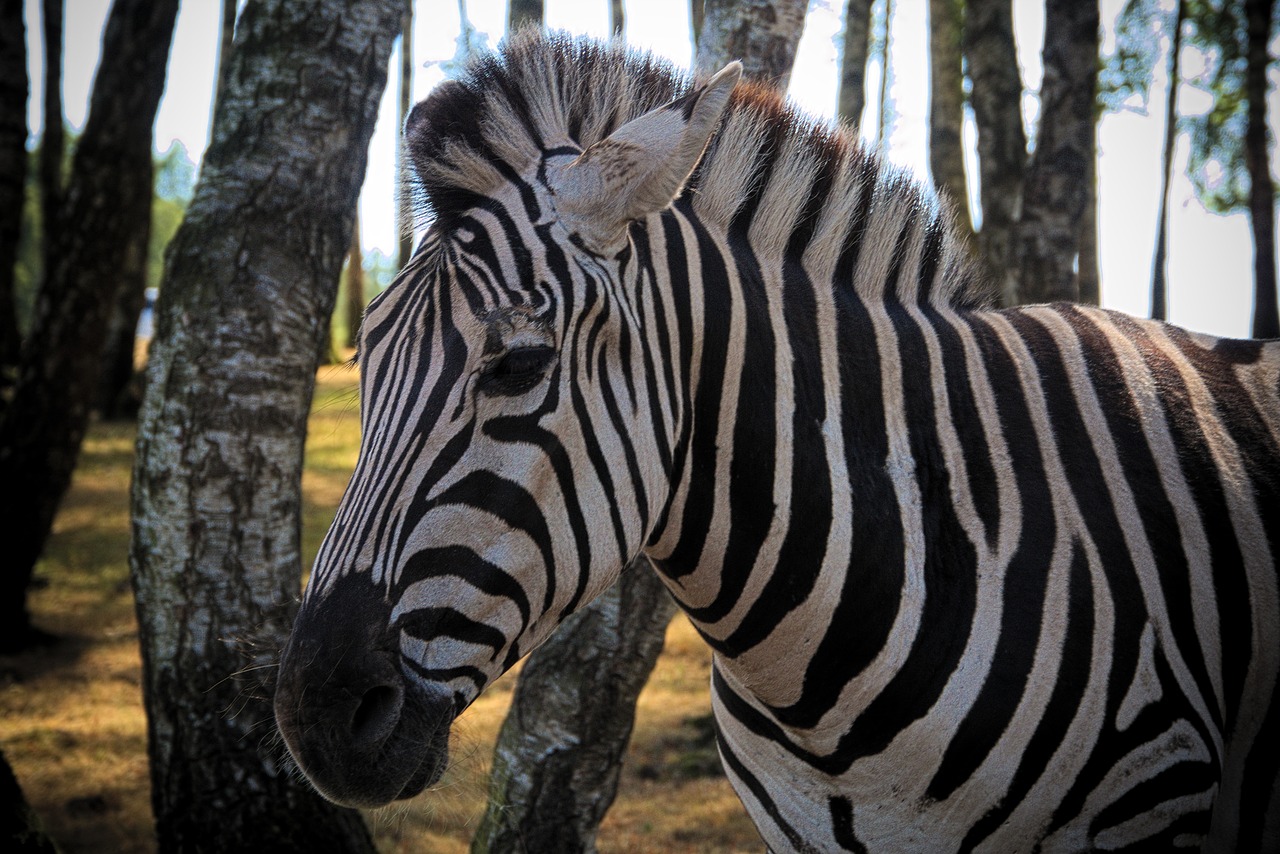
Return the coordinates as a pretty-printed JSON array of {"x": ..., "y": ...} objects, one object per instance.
[{"x": 72, "y": 725}]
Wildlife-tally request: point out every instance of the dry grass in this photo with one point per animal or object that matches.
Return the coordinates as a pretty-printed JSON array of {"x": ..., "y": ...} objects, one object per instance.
[{"x": 72, "y": 723}]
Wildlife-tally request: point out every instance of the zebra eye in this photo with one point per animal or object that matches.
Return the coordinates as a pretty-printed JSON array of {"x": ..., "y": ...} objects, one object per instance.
[{"x": 517, "y": 371}]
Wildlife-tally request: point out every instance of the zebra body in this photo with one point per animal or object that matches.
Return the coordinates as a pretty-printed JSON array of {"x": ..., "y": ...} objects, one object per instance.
[{"x": 974, "y": 579}]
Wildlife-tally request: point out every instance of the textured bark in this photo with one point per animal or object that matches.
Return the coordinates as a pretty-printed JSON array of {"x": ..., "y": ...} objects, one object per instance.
[
  {"x": 559, "y": 754},
  {"x": 851, "y": 96},
  {"x": 1090, "y": 278},
  {"x": 20, "y": 829},
  {"x": 946, "y": 104},
  {"x": 250, "y": 283},
  {"x": 1002, "y": 142},
  {"x": 1159, "y": 263},
  {"x": 226, "y": 44},
  {"x": 764, "y": 34},
  {"x": 1266, "y": 314},
  {"x": 108, "y": 197},
  {"x": 522, "y": 12},
  {"x": 14, "y": 90},
  {"x": 404, "y": 218},
  {"x": 355, "y": 287},
  {"x": 1048, "y": 233},
  {"x": 53, "y": 145},
  {"x": 885, "y": 116}
]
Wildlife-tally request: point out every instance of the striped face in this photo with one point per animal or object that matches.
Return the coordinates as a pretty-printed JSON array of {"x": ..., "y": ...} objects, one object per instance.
[{"x": 510, "y": 462}]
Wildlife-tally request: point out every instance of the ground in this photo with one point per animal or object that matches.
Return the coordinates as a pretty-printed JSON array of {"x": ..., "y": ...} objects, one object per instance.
[{"x": 72, "y": 724}]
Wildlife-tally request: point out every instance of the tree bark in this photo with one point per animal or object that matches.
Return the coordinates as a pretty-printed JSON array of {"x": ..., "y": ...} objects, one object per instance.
[
  {"x": 617, "y": 18},
  {"x": 559, "y": 754},
  {"x": 524, "y": 12},
  {"x": 1090, "y": 277},
  {"x": 108, "y": 197},
  {"x": 226, "y": 44},
  {"x": 355, "y": 286},
  {"x": 1048, "y": 233},
  {"x": 1159, "y": 263},
  {"x": 764, "y": 34},
  {"x": 14, "y": 90},
  {"x": 884, "y": 108},
  {"x": 117, "y": 396},
  {"x": 20, "y": 829},
  {"x": 404, "y": 218},
  {"x": 946, "y": 104},
  {"x": 851, "y": 96},
  {"x": 250, "y": 283},
  {"x": 1002, "y": 141},
  {"x": 1266, "y": 313},
  {"x": 53, "y": 145}
]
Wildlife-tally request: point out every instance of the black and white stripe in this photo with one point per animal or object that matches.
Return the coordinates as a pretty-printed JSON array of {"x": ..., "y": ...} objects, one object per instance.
[{"x": 974, "y": 579}]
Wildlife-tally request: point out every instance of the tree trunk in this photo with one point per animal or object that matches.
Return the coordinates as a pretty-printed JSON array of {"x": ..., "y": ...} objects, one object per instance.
[
  {"x": 1266, "y": 314},
  {"x": 108, "y": 197},
  {"x": 559, "y": 754},
  {"x": 355, "y": 287},
  {"x": 404, "y": 213},
  {"x": 1090, "y": 278},
  {"x": 522, "y": 12},
  {"x": 117, "y": 396},
  {"x": 1159, "y": 263},
  {"x": 946, "y": 104},
  {"x": 20, "y": 829},
  {"x": 53, "y": 146},
  {"x": 885, "y": 110},
  {"x": 1048, "y": 233},
  {"x": 1002, "y": 142},
  {"x": 617, "y": 18},
  {"x": 851, "y": 96},
  {"x": 250, "y": 282},
  {"x": 13, "y": 175},
  {"x": 764, "y": 34},
  {"x": 697, "y": 12},
  {"x": 226, "y": 44}
]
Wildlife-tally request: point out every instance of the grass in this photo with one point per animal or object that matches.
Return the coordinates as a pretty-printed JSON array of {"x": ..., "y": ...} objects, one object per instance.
[{"x": 72, "y": 724}]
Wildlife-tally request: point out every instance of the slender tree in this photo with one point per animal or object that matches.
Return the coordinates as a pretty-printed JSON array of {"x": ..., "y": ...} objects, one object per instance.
[
  {"x": 53, "y": 142},
  {"x": 946, "y": 103},
  {"x": 992, "y": 58},
  {"x": 697, "y": 12},
  {"x": 617, "y": 18},
  {"x": 355, "y": 286},
  {"x": 1159, "y": 264},
  {"x": 13, "y": 176},
  {"x": 555, "y": 769},
  {"x": 524, "y": 12},
  {"x": 1089, "y": 276},
  {"x": 884, "y": 119},
  {"x": 108, "y": 197},
  {"x": 1047, "y": 238},
  {"x": 1266, "y": 313},
  {"x": 851, "y": 96},
  {"x": 764, "y": 34},
  {"x": 250, "y": 282},
  {"x": 404, "y": 218}
]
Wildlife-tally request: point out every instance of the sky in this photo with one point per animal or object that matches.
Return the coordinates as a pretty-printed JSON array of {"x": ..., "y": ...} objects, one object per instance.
[{"x": 1210, "y": 256}]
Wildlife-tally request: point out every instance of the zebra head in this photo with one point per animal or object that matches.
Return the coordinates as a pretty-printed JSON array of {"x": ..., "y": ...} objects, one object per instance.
[{"x": 514, "y": 436}]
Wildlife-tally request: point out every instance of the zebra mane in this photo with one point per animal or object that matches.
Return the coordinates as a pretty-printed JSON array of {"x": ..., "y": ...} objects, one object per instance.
[{"x": 810, "y": 188}]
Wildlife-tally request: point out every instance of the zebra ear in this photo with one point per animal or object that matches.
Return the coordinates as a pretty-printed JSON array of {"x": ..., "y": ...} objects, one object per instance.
[{"x": 641, "y": 167}]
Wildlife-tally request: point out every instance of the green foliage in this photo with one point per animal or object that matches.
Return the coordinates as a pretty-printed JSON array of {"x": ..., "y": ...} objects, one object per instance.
[{"x": 1128, "y": 71}]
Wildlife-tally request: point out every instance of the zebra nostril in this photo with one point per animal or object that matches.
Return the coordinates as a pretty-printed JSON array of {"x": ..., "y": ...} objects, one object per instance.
[{"x": 377, "y": 715}]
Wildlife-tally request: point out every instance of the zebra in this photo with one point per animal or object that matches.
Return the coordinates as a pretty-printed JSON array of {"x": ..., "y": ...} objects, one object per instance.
[{"x": 973, "y": 579}]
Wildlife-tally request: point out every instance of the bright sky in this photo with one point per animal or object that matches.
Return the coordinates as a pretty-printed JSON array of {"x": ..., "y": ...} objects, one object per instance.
[{"x": 1210, "y": 256}]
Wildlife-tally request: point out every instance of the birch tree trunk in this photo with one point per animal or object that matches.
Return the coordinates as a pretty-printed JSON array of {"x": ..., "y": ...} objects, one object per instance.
[
  {"x": 1048, "y": 232},
  {"x": 14, "y": 90},
  {"x": 1002, "y": 141},
  {"x": 108, "y": 197},
  {"x": 946, "y": 104},
  {"x": 764, "y": 34},
  {"x": 1159, "y": 263},
  {"x": 851, "y": 96},
  {"x": 557, "y": 762},
  {"x": 1266, "y": 313},
  {"x": 250, "y": 283}
]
